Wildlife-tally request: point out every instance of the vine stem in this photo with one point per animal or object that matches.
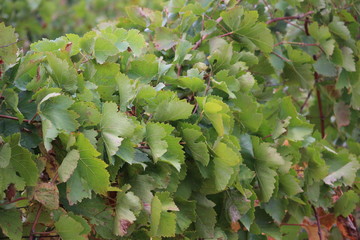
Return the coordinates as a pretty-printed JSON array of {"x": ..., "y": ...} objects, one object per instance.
[
  {"x": 13, "y": 201},
  {"x": 198, "y": 43},
  {"x": 13, "y": 118},
  {"x": 300, "y": 16},
  {"x": 33, "y": 228},
  {"x": 226, "y": 34},
  {"x": 293, "y": 224},
  {"x": 306, "y": 100},
  {"x": 8, "y": 45},
  {"x": 281, "y": 57},
  {"x": 318, "y": 95},
  {"x": 317, "y": 222},
  {"x": 321, "y": 114}
]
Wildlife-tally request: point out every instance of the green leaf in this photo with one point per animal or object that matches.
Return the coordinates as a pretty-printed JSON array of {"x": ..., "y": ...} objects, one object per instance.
[
  {"x": 205, "y": 217},
  {"x": 163, "y": 146},
  {"x": 64, "y": 75},
  {"x": 136, "y": 15},
  {"x": 163, "y": 223},
  {"x": 75, "y": 43},
  {"x": 49, "y": 133},
  {"x": 104, "y": 49},
  {"x": 136, "y": 41},
  {"x": 226, "y": 83},
  {"x": 266, "y": 155},
  {"x": 8, "y": 47},
  {"x": 155, "y": 133},
  {"x": 347, "y": 173},
  {"x": 325, "y": 67},
  {"x": 166, "y": 106},
  {"x": 88, "y": 112},
  {"x": 144, "y": 68},
  {"x": 289, "y": 184},
  {"x": 218, "y": 113},
  {"x": 246, "y": 111},
  {"x": 5, "y": 154},
  {"x": 193, "y": 83},
  {"x": 186, "y": 214},
  {"x": 195, "y": 141},
  {"x": 68, "y": 165},
  {"x": 9, "y": 176},
  {"x": 220, "y": 53},
  {"x": 317, "y": 168},
  {"x": 10, "y": 223},
  {"x": 112, "y": 125},
  {"x": 77, "y": 188},
  {"x": 47, "y": 194},
  {"x": 346, "y": 203},
  {"x": 91, "y": 168},
  {"x": 22, "y": 160},
  {"x": 297, "y": 73},
  {"x": 348, "y": 59},
  {"x": 54, "y": 107},
  {"x": 165, "y": 38},
  {"x": 127, "y": 207},
  {"x": 12, "y": 100},
  {"x": 319, "y": 33},
  {"x": 127, "y": 90},
  {"x": 266, "y": 178},
  {"x": 69, "y": 229},
  {"x": 244, "y": 24},
  {"x": 298, "y": 56},
  {"x": 276, "y": 209},
  {"x": 181, "y": 50},
  {"x": 266, "y": 225},
  {"x": 46, "y": 45},
  {"x": 338, "y": 28}
]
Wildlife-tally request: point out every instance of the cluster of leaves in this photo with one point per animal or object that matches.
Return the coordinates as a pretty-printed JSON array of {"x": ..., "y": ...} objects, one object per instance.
[{"x": 207, "y": 120}]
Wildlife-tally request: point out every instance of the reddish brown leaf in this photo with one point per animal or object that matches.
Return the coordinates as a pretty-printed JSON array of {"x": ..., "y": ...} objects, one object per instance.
[
  {"x": 235, "y": 226},
  {"x": 313, "y": 231},
  {"x": 327, "y": 220},
  {"x": 68, "y": 47},
  {"x": 10, "y": 192},
  {"x": 348, "y": 227}
]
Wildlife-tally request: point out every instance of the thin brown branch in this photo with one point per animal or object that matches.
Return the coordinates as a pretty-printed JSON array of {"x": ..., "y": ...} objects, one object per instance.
[
  {"x": 306, "y": 26},
  {"x": 306, "y": 100},
  {"x": 270, "y": 135},
  {"x": 33, "y": 228},
  {"x": 8, "y": 45},
  {"x": 198, "y": 43},
  {"x": 13, "y": 118},
  {"x": 317, "y": 222},
  {"x": 36, "y": 220},
  {"x": 281, "y": 57},
  {"x": 226, "y": 34},
  {"x": 295, "y": 25},
  {"x": 13, "y": 201},
  {"x": 298, "y": 17},
  {"x": 301, "y": 44},
  {"x": 297, "y": 43},
  {"x": 292, "y": 224},
  {"x": 321, "y": 113},
  {"x": 178, "y": 70},
  {"x": 33, "y": 118}
]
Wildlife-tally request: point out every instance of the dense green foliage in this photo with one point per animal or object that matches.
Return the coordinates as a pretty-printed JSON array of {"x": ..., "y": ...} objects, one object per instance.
[{"x": 203, "y": 120}]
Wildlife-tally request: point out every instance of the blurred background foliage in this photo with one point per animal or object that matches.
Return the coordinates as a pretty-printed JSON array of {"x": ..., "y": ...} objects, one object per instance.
[{"x": 37, "y": 19}]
